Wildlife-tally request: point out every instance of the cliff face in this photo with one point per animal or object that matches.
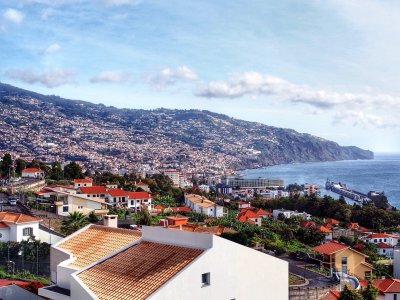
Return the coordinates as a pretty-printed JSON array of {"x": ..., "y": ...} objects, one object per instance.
[{"x": 49, "y": 126}]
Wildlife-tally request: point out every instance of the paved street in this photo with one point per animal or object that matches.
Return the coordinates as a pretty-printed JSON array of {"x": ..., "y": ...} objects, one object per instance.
[{"x": 315, "y": 279}]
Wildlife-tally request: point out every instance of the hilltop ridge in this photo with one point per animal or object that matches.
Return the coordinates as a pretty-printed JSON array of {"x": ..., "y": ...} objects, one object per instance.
[{"x": 53, "y": 128}]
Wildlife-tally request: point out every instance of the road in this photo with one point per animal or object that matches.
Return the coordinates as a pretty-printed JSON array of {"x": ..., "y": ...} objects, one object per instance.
[
  {"x": 315, "y": 279},
  {"x": 4, "y": 206}
]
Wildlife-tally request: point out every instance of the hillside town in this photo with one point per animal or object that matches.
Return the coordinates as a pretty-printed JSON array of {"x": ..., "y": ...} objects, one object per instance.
[{"x": 176, "y": 228}]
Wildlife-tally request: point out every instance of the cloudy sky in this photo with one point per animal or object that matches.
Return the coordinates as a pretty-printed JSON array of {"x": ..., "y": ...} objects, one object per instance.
[{"x": 326, "y": 67}]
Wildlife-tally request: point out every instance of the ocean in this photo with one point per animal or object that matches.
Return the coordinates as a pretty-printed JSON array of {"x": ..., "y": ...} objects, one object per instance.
[{"x": 380, "y": 174}]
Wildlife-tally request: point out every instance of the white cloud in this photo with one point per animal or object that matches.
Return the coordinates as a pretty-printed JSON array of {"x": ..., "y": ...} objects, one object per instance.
[
  {"x": 49, "y": 78},
  {"x": 110, "y": 76},
  {"x": 120, "y": 2},
  {"x": 47, "y": 12},
  {"x": 53, "y": 48},
  {"x": 171, "y": 76},
  {"x": 367, "y": 109},
  {"x": 13, "y": 15}
]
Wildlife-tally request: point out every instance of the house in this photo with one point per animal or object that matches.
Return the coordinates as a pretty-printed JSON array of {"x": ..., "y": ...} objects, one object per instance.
[
  {"x": 32, "y": 173},
  {"x": 116, "y": 196},
  {"x": 174, "y": 175},
  {"x": 249, "y": 216},
  {"x": 82, "y": 182},
  {"x": 376, "y": 238},
  {"x": 205, "y": 188},
  {"x": 66, "y": 202},
  {"x": 312, "y": 225},
  {"x": 177, "y": 209},
  {"x": 203, "y": 205},
  {"x": 79, "y": 250},
  {"x": 143, "y": 186},
  {"x": 243, "y": 204},
  {"x": 290, "y": 213},
  {"x": 176, "y": 220},
  {"x": 388, "y": 289},
  {"x": 385, "y": 249},
  {"x": 340, "y": 257},
  {"x": 138, "y": 200},
  {"x": 168, "y": 264},
  {"x": 98, "y": 192},
  {"x": 17, "y": 227}
]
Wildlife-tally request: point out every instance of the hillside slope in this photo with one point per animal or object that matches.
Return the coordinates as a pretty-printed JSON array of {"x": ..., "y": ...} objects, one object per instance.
[{"x": 49, "y": 127}]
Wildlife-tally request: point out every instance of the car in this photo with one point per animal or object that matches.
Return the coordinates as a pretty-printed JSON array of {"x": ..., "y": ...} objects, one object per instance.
[{"x": 12, "y": 200}]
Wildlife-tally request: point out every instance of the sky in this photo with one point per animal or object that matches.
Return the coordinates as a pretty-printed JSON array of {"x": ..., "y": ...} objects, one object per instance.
[{"x": 325, "y": 67}]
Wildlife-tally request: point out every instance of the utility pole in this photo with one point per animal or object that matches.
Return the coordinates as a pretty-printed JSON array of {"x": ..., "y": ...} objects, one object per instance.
[{"x": 37, "y": 259}]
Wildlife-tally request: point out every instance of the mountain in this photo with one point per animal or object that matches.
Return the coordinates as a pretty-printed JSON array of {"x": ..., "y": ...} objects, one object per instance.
[{"x": 51, "y": 128}]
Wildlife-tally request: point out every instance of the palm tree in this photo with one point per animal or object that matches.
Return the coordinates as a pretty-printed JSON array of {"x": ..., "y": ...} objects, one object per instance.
[{"x": 75, "y": 221}]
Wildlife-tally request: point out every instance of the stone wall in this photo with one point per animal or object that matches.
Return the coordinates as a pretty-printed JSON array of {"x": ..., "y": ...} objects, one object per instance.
[{"x": 307, "y": 293}]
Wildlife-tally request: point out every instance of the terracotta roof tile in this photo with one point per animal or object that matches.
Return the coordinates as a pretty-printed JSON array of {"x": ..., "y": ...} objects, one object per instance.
[
  {"x": 31, "y": 170},
  {"x": 117, "y": 192},
  {"x": 96, "y": 242},
  {"x": 93, "y": 189},
  {"x": 84, "y": 180},
  {"x": 12, "y": 217},
  {"x": 199, "y": 200},
  {"x": 330, "y": 247},
  {"x": 140, "y": 270},
  {"x": 139, "y": 195}
]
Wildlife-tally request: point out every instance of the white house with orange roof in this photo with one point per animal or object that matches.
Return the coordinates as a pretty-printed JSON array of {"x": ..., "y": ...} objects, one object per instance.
[
  {"x": 17, "y": 227},
  {"x": 98, "y": 192},
  {"x": 82, "y": 182},
  {"x": 117, "y": 196},
  {"x": 376, "y": 238},
  {"x": 137, "y": 200},
  {"x": 82, "y": 249},
  {"x": 32, "y": 173},
  {"x": 203, "y": 205},
  {"x": 164, "y": 264}
]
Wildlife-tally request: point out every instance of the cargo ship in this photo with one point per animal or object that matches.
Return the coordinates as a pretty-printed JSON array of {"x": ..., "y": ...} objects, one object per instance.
[{"x": 343, "y": 190}]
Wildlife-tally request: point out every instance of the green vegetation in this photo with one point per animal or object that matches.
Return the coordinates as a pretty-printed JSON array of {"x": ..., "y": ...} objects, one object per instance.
[
  {"x": 368, "y": 293},
  {"x": 369, "y": 216},
  {"x": 295, "y": 279},
  {"x": 74, "y": 222},
  {"x": 25, "y": 275}
]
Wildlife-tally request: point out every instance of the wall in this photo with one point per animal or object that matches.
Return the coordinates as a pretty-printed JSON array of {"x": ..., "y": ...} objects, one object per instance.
[
  {"x": 305, "y": 293},
  {"x": 354, "y": 261},
  {"x": 236, "y": 272},
  {"x": 5, "y": 236}
]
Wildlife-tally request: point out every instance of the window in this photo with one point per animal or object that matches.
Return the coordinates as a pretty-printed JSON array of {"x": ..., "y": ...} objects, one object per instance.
[
  {"x": 384, "y": 240},
  {"x": 375, "y": 240},
  {"x": 132, "y": 202},
  {"x": 367, "y": 275},
  {"x": 394, "y": 296},
  {"x": 65, "y": 208},
  {"x": 205, "y": 279},
  {"x": 28, "y": 231},
  {"x": 80, "y": 206}
]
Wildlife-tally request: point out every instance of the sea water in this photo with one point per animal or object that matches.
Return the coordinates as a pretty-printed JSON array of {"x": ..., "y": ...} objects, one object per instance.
[{"x": 380, "y": 174}]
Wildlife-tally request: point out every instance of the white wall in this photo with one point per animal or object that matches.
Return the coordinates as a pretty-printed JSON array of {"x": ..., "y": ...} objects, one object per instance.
[
  {"x": 396, "y": 263},
  {"x": 236, "y": 272},
  {"x": 4, "y": 234}
]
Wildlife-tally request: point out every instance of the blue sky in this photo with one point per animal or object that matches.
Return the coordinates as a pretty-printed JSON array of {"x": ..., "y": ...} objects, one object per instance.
[{"x": 326, "y": 67}]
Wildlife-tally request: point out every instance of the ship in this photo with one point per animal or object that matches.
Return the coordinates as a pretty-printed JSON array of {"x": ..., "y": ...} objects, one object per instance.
[{"x": 343, "y": 190}]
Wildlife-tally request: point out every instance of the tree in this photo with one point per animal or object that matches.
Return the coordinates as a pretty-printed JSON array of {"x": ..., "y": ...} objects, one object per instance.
[
  {"x": 73, "y": 171},
  {"x": 75, "y": 221},
  {"x": 144, "y": 217},
  {"x": 20, "y": 164},
  {"x": 370, "y": 292},
  {"x": 350, "y": 294},
  {"x": 6, "y": 166},
  {"x": 56, "y": 172},
  {"x": 92, "y": 217}
]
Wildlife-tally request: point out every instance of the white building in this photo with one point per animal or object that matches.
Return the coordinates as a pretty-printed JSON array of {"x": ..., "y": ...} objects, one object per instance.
[
  {"x": 32, "y": 173},
  {"x": 203, "y": 205},
  {"x": 290, "y": 213},
  {"x": 168, "y": 264},
  {"x": 205, "y": 188},
  {"x": 17, "y": 227},
  {"x": 137, "y": 200},
  {"x": 174, "y": 175},
  {"x": 82, "y": 182},
  {"x": 376, "y": 238}
]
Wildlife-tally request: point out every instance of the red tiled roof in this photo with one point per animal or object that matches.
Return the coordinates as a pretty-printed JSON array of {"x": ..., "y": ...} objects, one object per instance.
[
  {"x": 31, "y": 170},
  {"x": 331, "y": 295},
  {"x": 93, "y": 189},
  {"x": 117, "y": 192},
  {"x": 139, "y": 195},
  {"x": 384, "y": 246},
  {"x": 11, "y": 217},
  {"x": 84, "y": 180},
  {"x": 307, "y": 224},
  {"x": 262, "y": 212},
  {"x": 324, "y": 229},
  {"x": 180, "y": 208},
  {"x": 140, "y": 270},
  {"x": 381, "y": 235},
  {"x": 387, "y": 285},
  {"x": 330, "y": 247},
  {"x": 159, "y": 206}
]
